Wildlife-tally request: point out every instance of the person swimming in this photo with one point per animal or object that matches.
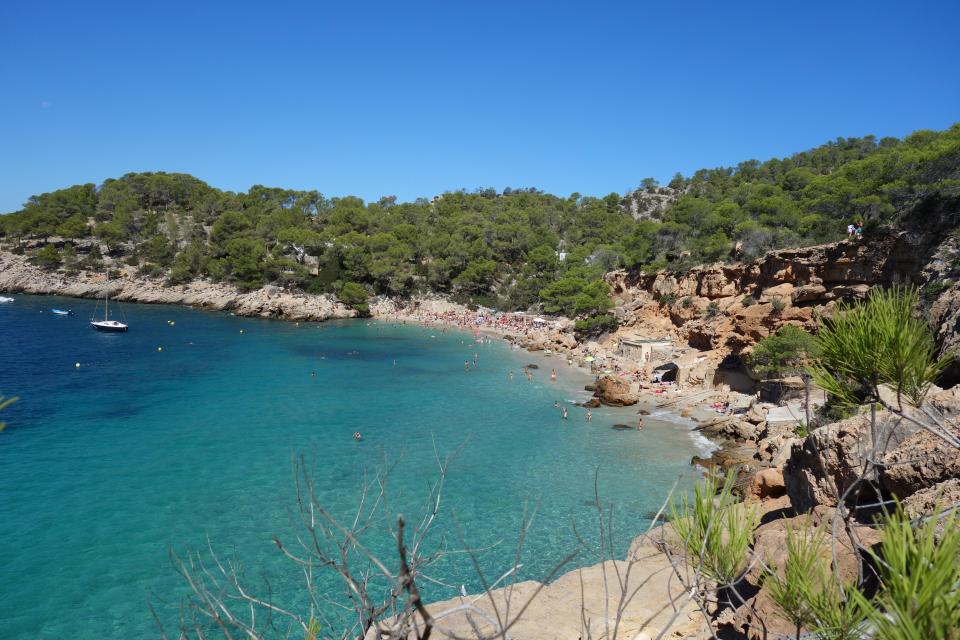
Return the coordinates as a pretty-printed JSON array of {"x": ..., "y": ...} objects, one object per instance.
[
  {"x": 357, "y": 436},
  {"x": 565, "y": 413},
  {"x": 589, "y": 415}
]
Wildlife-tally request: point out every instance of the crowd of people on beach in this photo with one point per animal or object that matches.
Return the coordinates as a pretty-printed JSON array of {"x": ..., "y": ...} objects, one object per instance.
[{"x": 519, "y": 323}]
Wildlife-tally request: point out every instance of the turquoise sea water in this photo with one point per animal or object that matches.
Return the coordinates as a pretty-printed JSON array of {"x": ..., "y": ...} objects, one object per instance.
[{"x": 106, "y": 467}]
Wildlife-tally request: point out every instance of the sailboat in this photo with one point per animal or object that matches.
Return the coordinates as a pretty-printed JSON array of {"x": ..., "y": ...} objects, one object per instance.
[{"x": 107, "y": 324}]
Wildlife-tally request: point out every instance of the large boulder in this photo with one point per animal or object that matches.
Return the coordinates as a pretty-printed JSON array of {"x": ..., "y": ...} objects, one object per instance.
[
  {"x": 766, "y": 483},
  {"x": 809, "y": 293},
  {"x": 615, "y": 392},
  {"x": 921, "y": 461},
  {"x": 822, "y": 467},
  {"x": 756, "y": 414}
]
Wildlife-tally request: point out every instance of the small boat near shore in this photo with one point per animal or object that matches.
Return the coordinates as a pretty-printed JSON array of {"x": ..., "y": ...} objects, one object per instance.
[
  {"x": 5, "y": 299},
  {"x": 107, "y": 324},
  {"x": 62, "y": 312}
]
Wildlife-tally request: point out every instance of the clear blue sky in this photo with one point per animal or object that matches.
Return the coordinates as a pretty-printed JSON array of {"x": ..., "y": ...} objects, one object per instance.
[{"x": 415, "y": 98}]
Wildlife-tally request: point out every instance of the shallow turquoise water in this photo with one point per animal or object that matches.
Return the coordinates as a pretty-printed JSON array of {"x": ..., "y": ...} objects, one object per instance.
[{"x": 106, "y": 467}]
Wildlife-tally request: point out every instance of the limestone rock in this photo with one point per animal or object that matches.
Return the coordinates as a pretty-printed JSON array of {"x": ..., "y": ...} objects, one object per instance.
[
  {"x": 923, "y": 502},
  {"x": 756, "y": 414},
  {"x": 809, "y": 293},
  {"x": 822, "y": 467},
  {"x": 16, "y": 274},
  {"x": 767, "y": 483},
  {"x": 615, "y": 392},
  {"x": 921, "y": 461}
]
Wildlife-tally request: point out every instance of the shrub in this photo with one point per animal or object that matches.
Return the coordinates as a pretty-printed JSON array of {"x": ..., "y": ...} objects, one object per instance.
[
  {"x": 687, "y": 302},
  {"x": 716, "y": 532},
  {"x": 934, "y": 290},
  {"x": 882, "y": 341},
  {"x": 778, "y": 304},
  {"x": 47, "y": 258},
  {"x": 713, "y": 309},
  {"x": 595, "y": 325},
  {"x": 919, "y": 574},
  {"x": 808, "y": 594},
  {"x": 354, "y": 296},
  {"x": 150, "y": 270},
  {"x": 749, "y": 301},
  {"x": 667, "y": 299},
  {"x": 786, "y": 351}
]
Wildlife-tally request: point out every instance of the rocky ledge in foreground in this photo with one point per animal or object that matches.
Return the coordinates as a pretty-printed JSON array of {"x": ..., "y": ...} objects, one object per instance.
[{"x": 19, "y": 276}]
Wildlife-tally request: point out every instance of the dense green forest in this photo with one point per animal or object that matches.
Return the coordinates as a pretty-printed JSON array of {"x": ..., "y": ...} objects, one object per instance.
[{"x": 500, "y": 249}]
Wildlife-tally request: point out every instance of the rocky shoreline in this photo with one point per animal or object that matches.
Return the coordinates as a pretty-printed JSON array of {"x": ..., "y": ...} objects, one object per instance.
[
  {"x": 17, "y": 275},
  {"x": 795, "y": 479}
]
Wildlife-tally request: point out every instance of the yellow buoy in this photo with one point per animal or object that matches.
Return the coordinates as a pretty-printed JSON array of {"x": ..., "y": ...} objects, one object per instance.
[
  {"x": 77, "y": 365},
  {"x": 159, "y": 348},
  {"x": 172, "y": 323},
  {"x": 241, "y": 330}
]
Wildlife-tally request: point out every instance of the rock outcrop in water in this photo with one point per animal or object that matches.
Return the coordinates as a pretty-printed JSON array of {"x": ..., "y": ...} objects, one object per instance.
[{"x": 18, "y": 275}]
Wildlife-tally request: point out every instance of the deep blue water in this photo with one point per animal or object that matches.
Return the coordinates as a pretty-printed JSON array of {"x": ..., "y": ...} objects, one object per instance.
[{"x": 106, "y": 467}]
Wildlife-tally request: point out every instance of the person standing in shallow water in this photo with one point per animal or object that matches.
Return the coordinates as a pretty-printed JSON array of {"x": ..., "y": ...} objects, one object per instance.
[
  {"x": 589, "y": 415},
  {"x": 553, "y": 374},
  {"x": 640, "y": 423},
  {"x": 565, "y": 413}
]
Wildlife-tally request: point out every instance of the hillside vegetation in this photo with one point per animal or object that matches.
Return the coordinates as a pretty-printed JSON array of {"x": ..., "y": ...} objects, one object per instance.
[{"x": 501, "y": 249}]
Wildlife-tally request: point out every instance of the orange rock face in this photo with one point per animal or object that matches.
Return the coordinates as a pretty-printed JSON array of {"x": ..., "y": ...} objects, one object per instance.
[{"x": 729, "y": 307}]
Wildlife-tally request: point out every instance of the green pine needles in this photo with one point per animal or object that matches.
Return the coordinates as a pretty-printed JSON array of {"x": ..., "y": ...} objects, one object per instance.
[
  {"x": 879, "y": 342},
  {"x": 808, "y": 594},
  {"x": 920, "y": 573},
  {"x": 715, "y": 530}
]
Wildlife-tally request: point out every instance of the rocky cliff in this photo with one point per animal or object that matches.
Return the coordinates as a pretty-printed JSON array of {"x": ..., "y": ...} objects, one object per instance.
[
  {"x": 19, "y": 276},
  {"x": 726, "y": 308}
]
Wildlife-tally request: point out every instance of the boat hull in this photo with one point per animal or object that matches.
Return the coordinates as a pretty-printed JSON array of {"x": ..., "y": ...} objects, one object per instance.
[{"x": 109, "y": 326}]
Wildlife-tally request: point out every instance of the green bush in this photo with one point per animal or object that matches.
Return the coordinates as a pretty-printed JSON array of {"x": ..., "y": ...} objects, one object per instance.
[
  {"x": 920, "y": 579},
  {"x": 716, "y": 531},
  {"x": 355, "y": 296},
  {"x": 150, "y": 270},
  {"x": 595, "y": 325},
  {"x": 47, "y": 258},
  {"x": 784, "y": 352},
  {"x": 880, "y": 341}
]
